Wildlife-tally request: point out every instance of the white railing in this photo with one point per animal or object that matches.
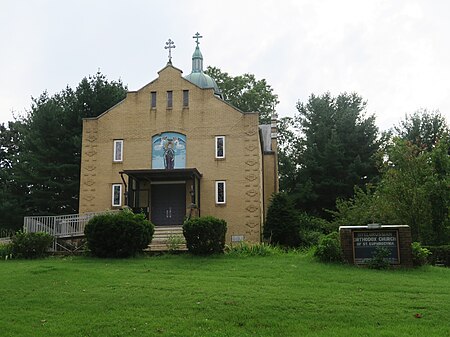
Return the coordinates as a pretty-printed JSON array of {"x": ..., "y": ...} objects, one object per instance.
[
  {"x": 59, "y": 226},
  {"x": 5, "y": 235}
]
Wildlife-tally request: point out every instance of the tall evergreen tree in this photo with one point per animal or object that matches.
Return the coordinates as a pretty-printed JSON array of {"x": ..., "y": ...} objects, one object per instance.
[
  {"x": 51, "y": 136},
  {"x": 12, "y": 194},
  {"x": 338, "y": 144}
]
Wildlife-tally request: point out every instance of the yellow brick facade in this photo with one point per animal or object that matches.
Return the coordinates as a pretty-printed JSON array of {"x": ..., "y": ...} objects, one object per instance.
[{"x": 250, "y": 175}]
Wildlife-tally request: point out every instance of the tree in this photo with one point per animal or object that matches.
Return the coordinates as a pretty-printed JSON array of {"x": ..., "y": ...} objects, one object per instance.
[
  {"x": 282, "y": 224},
  {"x": 289, "y": 152},
  {"x": 338, "y": 147},
  {"x": 246, "y": 93},
  {"x": 49, "y": 162},
  {"x": 423, "y": 128},
  {"x": 413, "y": 191},
  {"x": 12, "y": 194}
]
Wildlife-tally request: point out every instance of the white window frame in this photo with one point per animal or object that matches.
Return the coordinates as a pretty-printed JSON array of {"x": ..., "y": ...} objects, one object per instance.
[
  {"x": 224, "y": 201},
  {"x": 217, "y": 148},
  {"x": 116, "y": 157},
  {"x": 120, "y": 195}
]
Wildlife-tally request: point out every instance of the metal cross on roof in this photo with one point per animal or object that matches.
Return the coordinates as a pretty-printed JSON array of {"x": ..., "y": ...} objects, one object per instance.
[
  {"x": 169, "y": 45},
  {"x": 196, "y": 37}
]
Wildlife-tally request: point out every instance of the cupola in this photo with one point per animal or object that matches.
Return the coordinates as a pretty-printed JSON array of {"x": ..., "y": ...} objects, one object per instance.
[{"x": 197, "y": 76}]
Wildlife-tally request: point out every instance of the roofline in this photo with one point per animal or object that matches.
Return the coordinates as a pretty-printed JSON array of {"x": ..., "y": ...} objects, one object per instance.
[
  {"x": 170, "y": 65},
  {"x": 105, "y": 112},
  {"x": 151, "y": 82}
]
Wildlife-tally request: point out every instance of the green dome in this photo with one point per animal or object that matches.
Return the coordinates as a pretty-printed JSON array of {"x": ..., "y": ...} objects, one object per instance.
[
  {"x": 204, "y": 81},
  {"x": 198, "y": 77}
]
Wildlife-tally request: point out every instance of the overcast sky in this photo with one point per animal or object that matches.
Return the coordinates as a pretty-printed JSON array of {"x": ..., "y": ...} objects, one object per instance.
[{"x": 396, "y": 54}]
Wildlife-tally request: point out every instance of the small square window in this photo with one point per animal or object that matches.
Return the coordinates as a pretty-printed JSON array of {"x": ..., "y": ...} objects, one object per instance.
[
  {"x": 116, "y": 195},
  {"x": 153, "y": 99},
  {"x": 118, "y": 150},
  {"x": 170, "y": 99},
  {"x": 220, "y": 147},
  {"x": 185, "y": 98},
  {"x": 221, "y": 196}
]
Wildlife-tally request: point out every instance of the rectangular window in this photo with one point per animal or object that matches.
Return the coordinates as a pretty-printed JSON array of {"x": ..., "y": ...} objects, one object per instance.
[
  {"x": 221, "y": 196},
  {"x": 185, "y": 98},
  {"x": 153, "y": 99},
  {"x": 118, "y": 150},
  {"x": 169, "y": 99},
  {"x": 220, "y": 147},
  {"x": 116, "y": 195}
]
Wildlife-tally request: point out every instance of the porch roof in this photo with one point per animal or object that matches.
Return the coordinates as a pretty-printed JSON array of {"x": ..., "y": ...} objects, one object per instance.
[{"x": 163, "y": 174}]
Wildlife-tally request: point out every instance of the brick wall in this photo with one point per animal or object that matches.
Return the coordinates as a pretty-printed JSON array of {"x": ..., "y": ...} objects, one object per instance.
[{"x": 134, "y": 121}]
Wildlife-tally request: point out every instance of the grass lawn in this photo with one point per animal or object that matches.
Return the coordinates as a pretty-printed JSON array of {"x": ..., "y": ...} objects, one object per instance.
[{"x": 287, "y": 295}]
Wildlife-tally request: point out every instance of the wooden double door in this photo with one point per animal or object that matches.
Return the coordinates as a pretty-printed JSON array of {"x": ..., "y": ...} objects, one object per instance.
[{"x": 168, "y": 204}]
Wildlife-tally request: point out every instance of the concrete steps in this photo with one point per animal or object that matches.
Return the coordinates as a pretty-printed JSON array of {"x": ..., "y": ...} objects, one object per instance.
[{"x": 167, "y": 238}]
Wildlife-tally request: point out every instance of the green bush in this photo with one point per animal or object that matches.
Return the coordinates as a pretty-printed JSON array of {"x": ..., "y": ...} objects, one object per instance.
[
  {"x": 118, "y": 235},
  {"x": 174, "y": 243},
  {"x": 30, "y": 245},
  {"x": 440, "y": 255},
  {"x": 205, "y": 235},
  {"x": 282, "y": 226},
  {"x": 379, "y": 259},
  {"x": 329, "y": 248},
  {"x": 312, "y": 229},
  {"x": 5, "y": 251},
  {"x": 420, "y": 254},
  {"x": 253, "y": 249},
  {"x": 310, "y": 238}
]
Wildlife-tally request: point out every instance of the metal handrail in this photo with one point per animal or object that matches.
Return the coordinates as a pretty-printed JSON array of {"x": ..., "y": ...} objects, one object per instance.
[{"x": 59, "y": 225}]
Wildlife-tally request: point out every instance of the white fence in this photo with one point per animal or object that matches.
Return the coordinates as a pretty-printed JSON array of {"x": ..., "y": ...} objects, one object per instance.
[{"x": 59, "y": 226}]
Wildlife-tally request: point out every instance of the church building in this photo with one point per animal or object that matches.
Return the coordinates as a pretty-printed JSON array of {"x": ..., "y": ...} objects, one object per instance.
[{"x": 176, "y": 149}]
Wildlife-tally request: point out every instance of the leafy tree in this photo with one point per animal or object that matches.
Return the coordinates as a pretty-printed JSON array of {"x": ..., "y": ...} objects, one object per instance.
[
  {"x": 364, "y": 207},
  {"x": 289, "y": 152},
  {"x": 337, "y": 150},
  {"x": 405, "y": 185},
  {"x": 423, "y": 128},
  {"x": 51, "y": 143},
  {"x": 413, "y": 191},
  {"x": 246, "y": 93}
]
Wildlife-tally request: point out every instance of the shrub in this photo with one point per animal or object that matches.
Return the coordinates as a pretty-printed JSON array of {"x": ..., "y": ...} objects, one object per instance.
[
  {"x": 312, "y": 229},
  {"x": 205, "y": 235},
  {"x": 5, "y": 251},
  {"x": 440, "y": 255},
  {"x": 310, "y": 238},
  {"x": 253, "y": 249},
  {"x": 30, "y": 245},
  {"x": 379, "y": 259},
  {"x": 174, "y": 243},
  {"x": 420, "y": 254},
  {"x": 329, "y": 248},
  {"x": 282, "y": 226},
  {"x": 121, "y": 234}
]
